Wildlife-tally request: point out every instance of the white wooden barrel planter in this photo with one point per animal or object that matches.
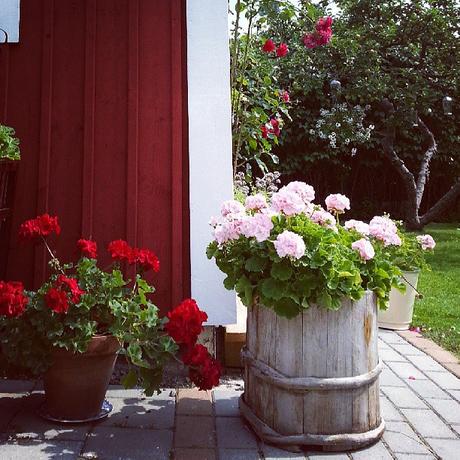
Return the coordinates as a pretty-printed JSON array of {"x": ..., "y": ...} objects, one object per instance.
[{"x": 313, "y": 380}]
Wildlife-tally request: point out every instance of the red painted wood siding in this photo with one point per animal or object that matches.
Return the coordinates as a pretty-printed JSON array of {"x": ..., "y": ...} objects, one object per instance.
[{"x": 96, "y": 92}]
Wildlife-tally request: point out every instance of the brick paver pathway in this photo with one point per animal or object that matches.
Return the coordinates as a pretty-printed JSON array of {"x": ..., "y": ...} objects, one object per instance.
[{"x": 420, "y": 403}]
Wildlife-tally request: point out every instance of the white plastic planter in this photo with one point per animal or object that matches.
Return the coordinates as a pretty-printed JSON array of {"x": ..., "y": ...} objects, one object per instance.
[{"x": 398, "y": 316}]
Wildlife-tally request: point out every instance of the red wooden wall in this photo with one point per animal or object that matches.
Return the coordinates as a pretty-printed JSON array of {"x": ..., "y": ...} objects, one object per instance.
[{"x": 96, "y": 92}]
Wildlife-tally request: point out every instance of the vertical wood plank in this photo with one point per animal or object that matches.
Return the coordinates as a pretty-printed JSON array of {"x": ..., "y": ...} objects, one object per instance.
[
  {"x": 88, "y": 124},
  {"x": 133, "y": 123},
  {"x": 177, "y": 169},
  {"x": 314, "y": 347},
  {"x": 339, "y": 405},
  {"x": 46, "y": 104},
  {"x": 360, "y": 363},
  {"x": 373, "y": 359},
  {"x": 288, "y": 414}
]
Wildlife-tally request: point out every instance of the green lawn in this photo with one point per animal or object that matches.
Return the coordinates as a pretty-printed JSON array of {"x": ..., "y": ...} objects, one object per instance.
[{"x": 438, "y": 312}]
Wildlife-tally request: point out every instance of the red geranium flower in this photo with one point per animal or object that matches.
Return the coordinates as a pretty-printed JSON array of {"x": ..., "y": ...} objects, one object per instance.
[
  {"x": 269, "y": 46},
  {"x": 72, "y": 285},
  {"x": 285, "y": 96},
  {"x": 185, "y": 322},
  {"x": 12, "y": 299},
  {"x": 195, "y": 356},
  {"x": 147, "y": 259},
  {"x": 121, "y": 250},
  {"x": 88, "y": 248},
  {"x": 207, "y": 375},
  {"x": 56, "y": 299},
  {"x": 275, "y": 126},
  {"x": 322, "y": 34},
  {"x": 264, "y": 131},
  {"x": 282, "y": 50},
  {"x": 309, "y": 40},
  {"x": 42, "y": 225}
]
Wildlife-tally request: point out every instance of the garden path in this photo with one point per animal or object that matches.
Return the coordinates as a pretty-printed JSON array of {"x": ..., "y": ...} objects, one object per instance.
[{"x": 420, "y": 401}]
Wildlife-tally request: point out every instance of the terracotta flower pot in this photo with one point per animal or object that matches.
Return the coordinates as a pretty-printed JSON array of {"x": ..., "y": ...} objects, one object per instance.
[{"x": 76, "y": 383}]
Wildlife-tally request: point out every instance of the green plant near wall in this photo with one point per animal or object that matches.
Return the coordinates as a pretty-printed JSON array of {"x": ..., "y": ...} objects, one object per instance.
[{"x": 9, "y": 144}]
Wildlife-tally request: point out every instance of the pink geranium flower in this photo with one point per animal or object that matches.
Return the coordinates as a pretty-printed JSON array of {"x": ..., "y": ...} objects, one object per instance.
[
  {"x": 365, "y": 249},
  {"x": 289, "y": 244}
]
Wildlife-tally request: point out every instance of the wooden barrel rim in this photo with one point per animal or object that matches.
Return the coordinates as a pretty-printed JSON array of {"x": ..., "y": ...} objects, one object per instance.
[
  {"x": 341, "y": 440},
  {"x": 303, "y": 384}
]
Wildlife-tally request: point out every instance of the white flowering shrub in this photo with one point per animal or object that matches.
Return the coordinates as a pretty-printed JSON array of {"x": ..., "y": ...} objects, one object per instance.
[{"x": 342, "y": 125}]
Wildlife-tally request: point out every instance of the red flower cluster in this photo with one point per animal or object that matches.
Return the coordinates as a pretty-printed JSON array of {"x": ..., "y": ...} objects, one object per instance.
[
  {"x": 88, "y": 248},
  {"x": 285, "y": 96},
  {"x": 12, "y": 299},
  {"x": 42, "y": 225},
  {"x": 186, "y": 322},
  {"x": 65, "y": 289},
  {"x": 205, "y": 370},
  {"x": 272, "y": 127},
  {"x": 321, "y": 36},
  {"x": 270, "y": 47},
  {"x": 184, "y": 326},
  {"x": 122, "y": 251}
]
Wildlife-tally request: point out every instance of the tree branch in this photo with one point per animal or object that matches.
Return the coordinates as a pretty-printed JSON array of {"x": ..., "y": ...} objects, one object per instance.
[
  {"x": 442, "y": 204},
  {"x": 424, "y": 167}
]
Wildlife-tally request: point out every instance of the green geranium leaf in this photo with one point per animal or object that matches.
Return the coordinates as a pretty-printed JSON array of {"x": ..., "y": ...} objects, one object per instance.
[
  {"x": 272, "y": 288},
  {"x": 287, "y": 308},
  {"x": 130, "y": 379},
  {"x": 281, "y": 271},
  {"x": 255, "y": 264}
]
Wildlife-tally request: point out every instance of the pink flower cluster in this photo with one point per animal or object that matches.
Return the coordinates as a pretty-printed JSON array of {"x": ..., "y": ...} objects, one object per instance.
[
  {"x": 289, "y": 244},
  {"x": 365, "y": 249},
  {"x": 426, "y": 241},
  {"x": 324, "y": 218},
  {"x": 384, "y": 229},
  {"x": 322, "y": 34},
  {"x": 258, "y": 226},
  {"x": 255, "y": 202},
  {"x": 272, "y": 127},
  {"x": 358, "y": 226},
  {"x": 337, "y": 203}
]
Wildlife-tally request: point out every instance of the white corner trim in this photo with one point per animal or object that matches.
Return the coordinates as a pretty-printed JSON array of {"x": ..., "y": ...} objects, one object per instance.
[
  {"x": 210, "y": 148},
  {"x": 9, "y": 21}
]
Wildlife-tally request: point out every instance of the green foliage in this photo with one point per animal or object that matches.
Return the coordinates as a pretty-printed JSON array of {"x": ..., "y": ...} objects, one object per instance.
[
  {"x": 437, "y": 313},
  {"x": 110, "y": 305},
  {"x": 329, "y": 271},
  {"x": 404, "y": 54},
  {"x": 409, "y": 256},
  {"x": 9, "y": 144}
]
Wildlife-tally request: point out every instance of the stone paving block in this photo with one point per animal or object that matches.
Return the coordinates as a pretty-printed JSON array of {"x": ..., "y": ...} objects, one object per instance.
[
  {"x": 28, "y": 425},
  {"x": 405, "y": 370},
  {"x": 389, "y": 411},
  {"x": 403, "y": 398},
  {"x": 449, "y": 410},
  {"x": 226, "y": 402},
  {"x": 155, "y": 412},
  {"x": 427, "y": 389},
  {"x": 445, "y": 380},
  {"x": 401, "y": 438},
  {"x": 390, "y": 379},
  {"x": 453, "y": 367},
  {"x": 327, "y": 456},
  {"x": 414, "y": 457},
  {"x": 41, "y": 450},
  {"x": 382, "y": 345},
  {"x": 182, "y": 453},
  {"x": 447, "y": 449},
  {"x": 231, "y": 432},
  {"x": 194, "y": 431},
  {"x": 376, "y": 452},
  {"x": 406, "y": 349},
  {"x": 426, "y": 363},
  {"x": 16, "y": 386},
  {"x": 455, "y": 394},
  {"x": 456, "y": 428},
  {"x": 118, "y": 391},
  {"x": 191, "y": 401},
  {"x": 390, "y": 337},
  {"x": 111, "y": 443},
  {"x": 427, "y": 423},
  {"x": 391, "y": 355},
  {"x": 239, "y": 454},
  {"x": 274, "y": 453}
]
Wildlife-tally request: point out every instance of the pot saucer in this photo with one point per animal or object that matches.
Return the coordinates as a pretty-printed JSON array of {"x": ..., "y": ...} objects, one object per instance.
[{"x": 105, "y": 411}]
